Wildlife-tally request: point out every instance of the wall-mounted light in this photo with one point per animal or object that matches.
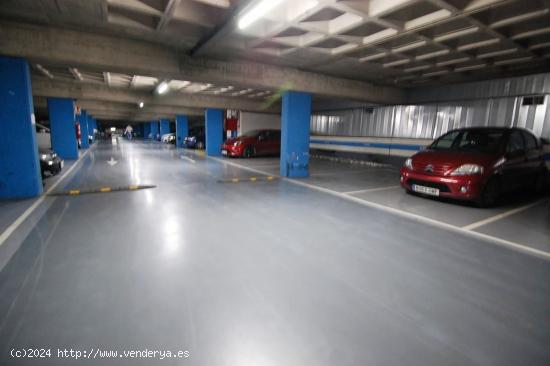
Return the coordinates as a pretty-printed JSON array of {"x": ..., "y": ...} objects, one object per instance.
[
  {"x": 141, "y": 104},
  {"x": 258, "y": 11},
  {"x": 162, "y": 88}
]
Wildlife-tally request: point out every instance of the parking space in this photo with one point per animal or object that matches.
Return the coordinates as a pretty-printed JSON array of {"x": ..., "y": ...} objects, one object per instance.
[
  {"x": 226, "y": 182},
  {"x": 521, "y": 218}
]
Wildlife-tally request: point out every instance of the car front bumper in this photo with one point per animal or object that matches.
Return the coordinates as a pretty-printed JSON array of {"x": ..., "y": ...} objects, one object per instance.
[
  {"x": 460, "y": 187},
  {"x": 232, "y": 151}
]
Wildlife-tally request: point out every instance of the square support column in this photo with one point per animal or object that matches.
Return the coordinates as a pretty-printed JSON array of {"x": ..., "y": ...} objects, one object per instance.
[
  {"x": 19, "y": 164},
  {"x": 164, "y": 127},
  {"x": 62, "y": 127},
  {"x": 295, "y": 125},
  {"x": 83, "y": 120},
  {"x": 214, "y": 131},
  {"x": 154, "y": 130},
  {"x": 182, "y": 129},
  {"x": 146, "y": 130}
]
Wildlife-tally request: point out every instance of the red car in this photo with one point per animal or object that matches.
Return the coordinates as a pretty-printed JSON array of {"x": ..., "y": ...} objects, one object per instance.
[
  {"x": 253, "y": 143},
  {"x": 477, "y": 164}
]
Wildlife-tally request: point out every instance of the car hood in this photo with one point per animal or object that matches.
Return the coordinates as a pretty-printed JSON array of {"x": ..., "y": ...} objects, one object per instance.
[
  {"x": 453, "y": 158},
  {"x": 240, "y": 138}
]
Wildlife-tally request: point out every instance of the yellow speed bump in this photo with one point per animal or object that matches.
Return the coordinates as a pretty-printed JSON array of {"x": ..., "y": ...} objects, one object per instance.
[
  {"x": 248, "y": 179},
  {"x": 75, "y": 192}
]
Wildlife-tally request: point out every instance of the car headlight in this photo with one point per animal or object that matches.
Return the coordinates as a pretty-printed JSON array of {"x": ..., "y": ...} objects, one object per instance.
[
  {"x": 468, "y": 169},
  {"x": 238, "y": 143},
  {"x": 408, "y": 163},
  {"x": 43, "y": 156}
]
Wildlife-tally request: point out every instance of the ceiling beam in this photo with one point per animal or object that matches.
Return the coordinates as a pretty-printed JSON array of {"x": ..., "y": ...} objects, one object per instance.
[
  {"x": 44, "y": 87},
  {"x": 101, "y": 53}
]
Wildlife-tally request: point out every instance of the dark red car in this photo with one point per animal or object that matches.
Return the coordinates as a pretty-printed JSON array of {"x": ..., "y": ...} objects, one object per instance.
[
  {"x": 253, "y": 143},
  {"x": 477, "y": 164}
]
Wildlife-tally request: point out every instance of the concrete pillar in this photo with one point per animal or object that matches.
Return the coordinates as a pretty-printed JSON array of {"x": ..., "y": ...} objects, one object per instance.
[
  {"x": 19, "y": 164},
  {"x": 154, "y": 130},
  {"x": 295, "y": 123},
  {"x": 182, "y": 129},
  {"x": 214, "y": 131},
  {"x": 146, "y": 130},
  {"x": 164, "y": 127},
  {"x": 62, "y": 127},
  {"x": 83, "y": 120},
  {"x": 93, "y": 129}
]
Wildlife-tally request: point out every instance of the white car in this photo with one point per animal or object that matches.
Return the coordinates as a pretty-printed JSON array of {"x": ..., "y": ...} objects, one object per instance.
[{"x": 169, "y": 138}]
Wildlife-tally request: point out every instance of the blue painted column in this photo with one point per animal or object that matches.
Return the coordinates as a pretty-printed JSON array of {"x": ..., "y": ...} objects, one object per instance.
[
  {"x": 62, "y": 127},
  {"x": 295, "y": 122},
  {"x": 164, "y": 127},
  {"x": 154, "y": 130},
  {"x": 214, "y": 131},
  {"x": 146, "y": 130},
  {"x": 83, "y": 120},
  {"x": 91, "y": 127},
  {"x": 19, "y": 164},
  {"x": 182, "y": 129}
]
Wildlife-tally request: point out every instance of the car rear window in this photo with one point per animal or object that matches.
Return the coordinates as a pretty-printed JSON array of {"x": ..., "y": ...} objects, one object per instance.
[{"x": 483, "y": 141}]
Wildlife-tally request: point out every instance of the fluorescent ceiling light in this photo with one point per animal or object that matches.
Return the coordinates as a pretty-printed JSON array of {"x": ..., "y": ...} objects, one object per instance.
[
  {"x": 141, "y": 104},
  {"x": 162, "y": 88},
  {"x": 258, "y": 11}
]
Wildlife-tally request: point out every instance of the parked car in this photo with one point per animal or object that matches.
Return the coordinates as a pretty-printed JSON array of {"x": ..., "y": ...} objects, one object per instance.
[
  {"x": 196, "y": 141},
  {"x": 169, "y": 138},
  {"x": 253, "y": 143},
  {"x": 477, "y": 164},
  {"x": 49, "y": 162}
]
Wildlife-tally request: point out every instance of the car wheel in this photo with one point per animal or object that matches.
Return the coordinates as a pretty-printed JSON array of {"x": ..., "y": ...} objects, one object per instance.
[
  {"x": 491, "y": 193},
  {"x": 540, "y": 182},
  {"x": 248, "y": 152}
]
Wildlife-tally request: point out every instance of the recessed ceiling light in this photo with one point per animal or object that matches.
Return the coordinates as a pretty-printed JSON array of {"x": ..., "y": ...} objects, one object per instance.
[
  {"x": 162, "y": 88},
  {"x": 257, "y": 12}
]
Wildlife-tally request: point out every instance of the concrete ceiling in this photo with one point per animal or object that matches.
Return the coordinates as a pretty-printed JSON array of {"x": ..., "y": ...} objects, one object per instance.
[{"x": 354, "y": 49}]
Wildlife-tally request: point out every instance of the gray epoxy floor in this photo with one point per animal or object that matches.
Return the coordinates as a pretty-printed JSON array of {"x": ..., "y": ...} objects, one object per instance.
[
  {"x": 380, "y": 185},
  {"x": 264, "y": 273}
]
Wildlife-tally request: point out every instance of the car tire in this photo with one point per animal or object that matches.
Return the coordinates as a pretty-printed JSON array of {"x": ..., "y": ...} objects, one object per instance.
[
  {"x": 490, "y": 194},
  {"x": 249, "y": 152}
]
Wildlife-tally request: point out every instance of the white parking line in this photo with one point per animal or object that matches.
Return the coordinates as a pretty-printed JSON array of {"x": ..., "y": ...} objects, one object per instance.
[
  {"x": 14, "y": 225},
  {"x": 491, "y": 219},
  {"x": 187, "y": 158},
  {"x": 372, "y": 190},
  {"x": 487, "y": 238}
]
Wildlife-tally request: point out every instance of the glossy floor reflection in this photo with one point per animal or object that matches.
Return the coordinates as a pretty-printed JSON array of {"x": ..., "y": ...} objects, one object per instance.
[{"x": 259, "y": 273}]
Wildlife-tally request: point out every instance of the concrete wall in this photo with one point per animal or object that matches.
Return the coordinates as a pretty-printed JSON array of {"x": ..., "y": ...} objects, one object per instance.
[{"x": 254, "y": 121}]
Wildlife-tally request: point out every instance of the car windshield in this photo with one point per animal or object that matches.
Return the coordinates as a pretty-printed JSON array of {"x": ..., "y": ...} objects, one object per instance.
[{"x": 483, "y": 141}]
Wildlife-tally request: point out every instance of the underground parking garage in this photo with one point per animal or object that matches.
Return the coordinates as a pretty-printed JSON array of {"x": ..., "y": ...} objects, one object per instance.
[{"x": 253, "y": 182}]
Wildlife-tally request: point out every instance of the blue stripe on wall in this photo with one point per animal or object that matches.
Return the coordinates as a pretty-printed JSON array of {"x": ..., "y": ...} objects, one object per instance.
[
  {"x": 379, "y": 145},
  {"x": 376, "y": 145}
]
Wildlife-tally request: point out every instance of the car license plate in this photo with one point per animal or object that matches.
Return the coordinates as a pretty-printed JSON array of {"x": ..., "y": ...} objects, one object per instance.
[
  {"x": 426, "y": 190},
  {"x": 224, "y": 152}
]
